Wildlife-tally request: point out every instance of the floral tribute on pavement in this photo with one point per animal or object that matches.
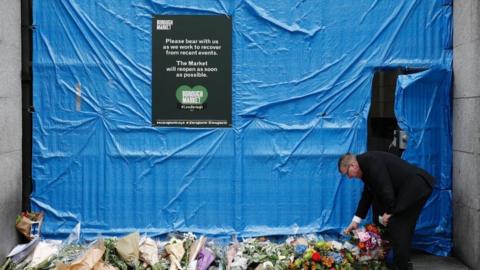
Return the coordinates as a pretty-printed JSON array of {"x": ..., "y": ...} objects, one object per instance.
[{"x": 363, "y": 249}]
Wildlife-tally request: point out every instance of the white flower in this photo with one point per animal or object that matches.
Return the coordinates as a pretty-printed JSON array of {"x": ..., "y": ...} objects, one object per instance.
[{"x": 336, "y": 245}]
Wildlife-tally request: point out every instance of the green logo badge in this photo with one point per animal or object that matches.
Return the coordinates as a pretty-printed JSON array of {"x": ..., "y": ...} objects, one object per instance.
[{"x": 191, "y": 96}]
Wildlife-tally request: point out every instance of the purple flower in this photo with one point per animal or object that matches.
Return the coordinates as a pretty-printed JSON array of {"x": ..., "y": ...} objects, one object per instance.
[{"x": 205, "y": 258}]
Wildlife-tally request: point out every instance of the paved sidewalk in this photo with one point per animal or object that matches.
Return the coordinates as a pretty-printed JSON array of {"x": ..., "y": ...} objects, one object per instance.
[{"x": 425, "y": 261}]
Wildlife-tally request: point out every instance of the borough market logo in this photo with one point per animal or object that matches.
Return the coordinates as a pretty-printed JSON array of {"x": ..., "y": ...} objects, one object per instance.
[{"x": 192, "y": 99}]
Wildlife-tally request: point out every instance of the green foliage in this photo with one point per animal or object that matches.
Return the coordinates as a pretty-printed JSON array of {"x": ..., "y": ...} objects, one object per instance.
[{"x": 111, "y": 255}]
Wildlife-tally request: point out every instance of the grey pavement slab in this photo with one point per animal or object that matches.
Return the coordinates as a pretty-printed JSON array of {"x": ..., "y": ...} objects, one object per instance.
[{"x": 424, "y": 261}]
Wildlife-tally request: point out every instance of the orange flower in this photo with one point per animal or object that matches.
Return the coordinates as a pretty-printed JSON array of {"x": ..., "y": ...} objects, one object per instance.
[
  {"x": 361, "y": 245},
  {"x": 327, "y": 261},
  {"x": 372, "y": 228}
]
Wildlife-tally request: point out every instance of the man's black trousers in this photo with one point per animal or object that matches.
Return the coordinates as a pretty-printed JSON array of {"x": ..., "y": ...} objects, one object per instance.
[{"x": 401, "y": 227}]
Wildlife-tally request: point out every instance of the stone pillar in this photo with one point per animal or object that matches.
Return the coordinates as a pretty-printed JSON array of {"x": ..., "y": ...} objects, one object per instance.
[
  {"x": 10, "y": 124},
  {"x": 466, "y": 132}
]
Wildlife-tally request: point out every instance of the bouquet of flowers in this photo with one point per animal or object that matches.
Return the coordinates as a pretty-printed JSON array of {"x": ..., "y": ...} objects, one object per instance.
[
  {"x": 258, "y": 254},
  {"x": 321, "y": 255},
  {"x": 364, "y": 250},
  {"x": 369, "y": 248}
]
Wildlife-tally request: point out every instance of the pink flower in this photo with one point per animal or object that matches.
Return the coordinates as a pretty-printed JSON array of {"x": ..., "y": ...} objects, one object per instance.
[
  {"x": 363, "y": 236},
  {"x": 370, "y": 244}
]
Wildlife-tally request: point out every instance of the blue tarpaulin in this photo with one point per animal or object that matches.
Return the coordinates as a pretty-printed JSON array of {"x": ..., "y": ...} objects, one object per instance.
[{"x": 301, "y": 94}]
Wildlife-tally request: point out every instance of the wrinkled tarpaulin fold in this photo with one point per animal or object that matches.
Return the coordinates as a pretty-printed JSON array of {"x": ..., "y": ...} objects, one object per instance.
[{"x": 302, "y": 78}]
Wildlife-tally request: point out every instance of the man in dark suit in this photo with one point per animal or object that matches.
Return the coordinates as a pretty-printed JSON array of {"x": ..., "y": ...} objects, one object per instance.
[{"x": 396, "y": 188}]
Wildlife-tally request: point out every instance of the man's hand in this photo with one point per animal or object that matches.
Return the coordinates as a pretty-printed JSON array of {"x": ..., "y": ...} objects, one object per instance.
[
  {"x": 385, "y": 219},
  {"x": 351, "y": 227}
]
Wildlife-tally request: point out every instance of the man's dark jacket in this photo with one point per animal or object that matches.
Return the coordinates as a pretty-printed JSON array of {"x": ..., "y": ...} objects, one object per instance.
[{"x": 391, "y": 182}]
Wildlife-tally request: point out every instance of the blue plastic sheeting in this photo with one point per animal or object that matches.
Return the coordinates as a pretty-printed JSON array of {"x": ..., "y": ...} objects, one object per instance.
[
  {"x": 423, "y": 110},
  {"x": 302, "y": 79}
]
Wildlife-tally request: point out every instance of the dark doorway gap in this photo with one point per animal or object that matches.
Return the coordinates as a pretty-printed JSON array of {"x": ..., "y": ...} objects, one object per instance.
[
  {"x": 27, "y": 101},
  {"x": 382, "y": 122}
]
